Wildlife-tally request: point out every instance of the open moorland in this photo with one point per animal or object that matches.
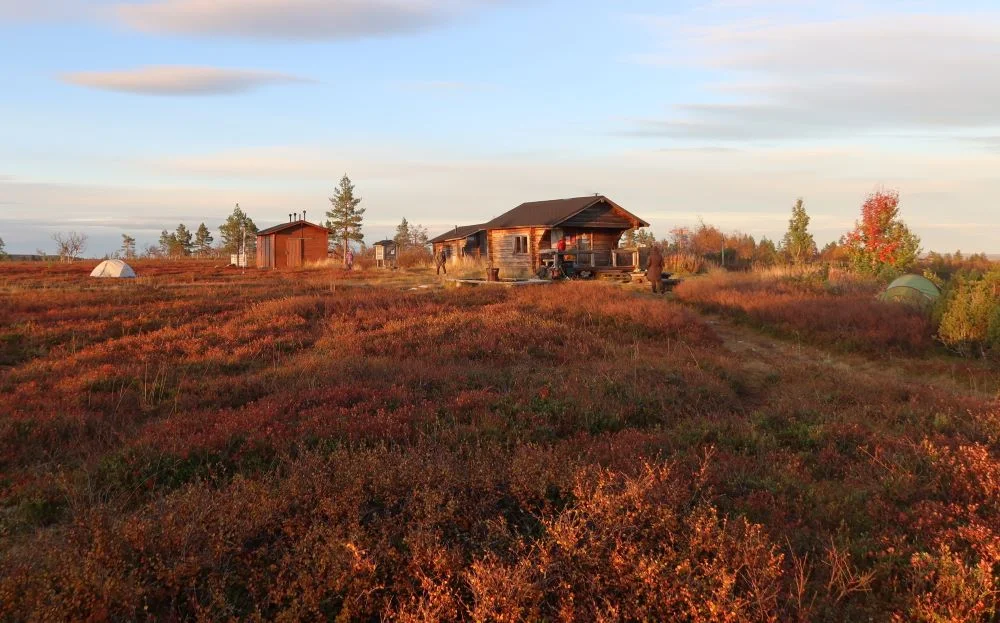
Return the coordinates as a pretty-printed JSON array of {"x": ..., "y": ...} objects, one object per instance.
[{"x": 204, "y": 444}]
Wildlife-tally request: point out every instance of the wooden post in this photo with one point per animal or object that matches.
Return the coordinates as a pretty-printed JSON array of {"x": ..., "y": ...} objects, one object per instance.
[
  {"x": 531, "y": 248},
  {"x": 614, "y": 258}
]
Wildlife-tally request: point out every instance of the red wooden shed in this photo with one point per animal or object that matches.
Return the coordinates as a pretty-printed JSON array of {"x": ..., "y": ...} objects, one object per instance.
[{"x": 291, "y": 245}]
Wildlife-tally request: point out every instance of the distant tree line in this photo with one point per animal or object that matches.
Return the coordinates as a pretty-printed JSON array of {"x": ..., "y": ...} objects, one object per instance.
[
  {"x": 880, "y": 243},
  {"x": 182, "y": 242},
  {"x": 966, "y": 316},
  {"x": 410, "y": 236}
]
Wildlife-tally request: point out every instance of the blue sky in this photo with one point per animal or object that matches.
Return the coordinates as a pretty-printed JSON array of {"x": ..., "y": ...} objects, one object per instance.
[{"x": 133, "y": 116}]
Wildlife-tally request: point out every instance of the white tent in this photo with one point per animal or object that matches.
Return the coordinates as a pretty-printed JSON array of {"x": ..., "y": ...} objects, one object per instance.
[{"x": 115, "y": 269}]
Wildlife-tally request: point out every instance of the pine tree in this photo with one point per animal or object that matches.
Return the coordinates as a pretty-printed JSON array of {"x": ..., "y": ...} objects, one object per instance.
[
  {"x": 3, "y": 250},
  {"x": 344, "y": 218},
  {"x": 644, "y": 238},
  {"x": 167, "y": 242},
  {"x": 203, "y": 241},
  {"x": 402, "y": 237},
  {"x": 798, "y": 244},
  {"x": 766, "y": 253},
  {"x": 128, "y": 246},
  {"x": 628, "y": 239},
  {"x": 232, "y": 232},
  {"x": 182, "y": 238}
]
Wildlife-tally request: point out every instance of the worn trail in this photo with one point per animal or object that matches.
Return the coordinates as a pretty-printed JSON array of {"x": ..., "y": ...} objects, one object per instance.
[{"x": 765, "y": 354}]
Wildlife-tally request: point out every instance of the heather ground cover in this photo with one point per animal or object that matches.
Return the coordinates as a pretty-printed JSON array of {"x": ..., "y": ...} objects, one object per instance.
[{"x": 208, "y": 444}]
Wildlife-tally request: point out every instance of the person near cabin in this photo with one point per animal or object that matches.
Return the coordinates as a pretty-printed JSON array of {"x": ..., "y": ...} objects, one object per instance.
[
  {"x": 654, "y": 269},
  {"x": 559, "y": 257},
  {"x": 349, "y": 259},
  {"x": 442, "y": 262}
]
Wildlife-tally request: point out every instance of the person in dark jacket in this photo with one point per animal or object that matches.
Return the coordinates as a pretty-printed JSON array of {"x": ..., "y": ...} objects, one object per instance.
[
  {"x": 654, "y": 270},
  {"x": 442, "y": 262}
]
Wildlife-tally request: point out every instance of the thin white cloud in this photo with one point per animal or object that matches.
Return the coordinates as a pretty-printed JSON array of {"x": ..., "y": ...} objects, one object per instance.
[
  {"x": 745, "y": 190},
  {"x": 292, "y": 19},
  {"x": 886, "y": 73},
  {"x": 989, "y": 143},
  {"x": 48, "y": 10},
  {"x": 167, "y": 80}
]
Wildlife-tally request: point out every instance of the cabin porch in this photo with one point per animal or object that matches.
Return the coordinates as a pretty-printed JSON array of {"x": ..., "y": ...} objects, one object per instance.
[{"x": 617, "y": 260}]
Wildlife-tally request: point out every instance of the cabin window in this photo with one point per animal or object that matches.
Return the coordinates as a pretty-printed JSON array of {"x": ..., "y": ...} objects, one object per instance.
[
  {"x": 520, "y": 244},
  {"x": 583, "y": 242}
]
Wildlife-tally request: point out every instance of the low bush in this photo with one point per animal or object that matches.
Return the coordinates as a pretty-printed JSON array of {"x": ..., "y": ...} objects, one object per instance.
[
  {"x": 969, "y": 315},
  {"x": 415, "y": 257},
  {"x": 832, "y": 310},
  {"x": 317, "y": 444}
]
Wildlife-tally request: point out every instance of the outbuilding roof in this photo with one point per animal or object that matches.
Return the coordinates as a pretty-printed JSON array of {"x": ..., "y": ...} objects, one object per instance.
[
  {"x": 279, "y": 228},
  {"x": 458, "y": 233}
]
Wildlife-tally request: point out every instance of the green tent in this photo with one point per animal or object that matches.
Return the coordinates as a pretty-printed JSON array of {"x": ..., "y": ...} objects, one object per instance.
[{"x": 913, "y": 290}]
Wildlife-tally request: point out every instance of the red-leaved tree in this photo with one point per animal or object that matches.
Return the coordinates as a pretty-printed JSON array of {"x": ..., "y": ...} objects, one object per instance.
[{"x": 880, "y": 242}]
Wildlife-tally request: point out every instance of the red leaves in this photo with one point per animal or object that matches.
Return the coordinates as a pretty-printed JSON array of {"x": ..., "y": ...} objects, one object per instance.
[{"x": 880, "y": 238}]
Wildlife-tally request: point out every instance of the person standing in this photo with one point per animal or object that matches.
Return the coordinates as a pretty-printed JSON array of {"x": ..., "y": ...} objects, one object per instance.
[
  {"x": 654, "y": 270},
  {"x": 349, "y": 259},
  {"x": 442, "y": 262}
]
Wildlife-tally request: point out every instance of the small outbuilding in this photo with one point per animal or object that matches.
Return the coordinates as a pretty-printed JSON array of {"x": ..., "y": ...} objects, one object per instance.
[
  {"x": 291, "y": 244},
  {"x": 461, "y": 242},
  {"x": 113, "y": 269},
  {"x": 385, "y": 254},
  {"x": 913, "y": 290}
]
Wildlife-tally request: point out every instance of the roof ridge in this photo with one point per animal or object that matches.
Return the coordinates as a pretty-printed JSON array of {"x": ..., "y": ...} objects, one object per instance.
[{"x": 283, "y": 226}]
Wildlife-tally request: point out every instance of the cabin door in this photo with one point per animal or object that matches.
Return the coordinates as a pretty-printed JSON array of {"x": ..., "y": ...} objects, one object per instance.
[{"x": 294, "y": 251}]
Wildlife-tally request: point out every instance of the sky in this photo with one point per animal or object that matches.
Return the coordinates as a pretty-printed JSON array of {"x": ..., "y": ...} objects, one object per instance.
[{"x": 130, "y": 117}]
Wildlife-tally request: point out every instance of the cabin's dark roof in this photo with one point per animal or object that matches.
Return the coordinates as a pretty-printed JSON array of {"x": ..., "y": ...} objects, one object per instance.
[
  {"x": 284, "y": 226},
  {"x": 458, "y": 233},
  {"x": 551, "y": 213},
  {"x": 384, "y": 243}
]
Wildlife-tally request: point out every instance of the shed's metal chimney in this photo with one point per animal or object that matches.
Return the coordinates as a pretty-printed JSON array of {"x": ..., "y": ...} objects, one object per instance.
[
  {"x": 289, "y": 217},
  {"x": 303, "y": 215}
]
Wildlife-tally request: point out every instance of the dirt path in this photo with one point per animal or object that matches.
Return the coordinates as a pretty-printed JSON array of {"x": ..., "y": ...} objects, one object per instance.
[{"x": 765, "y": 354}]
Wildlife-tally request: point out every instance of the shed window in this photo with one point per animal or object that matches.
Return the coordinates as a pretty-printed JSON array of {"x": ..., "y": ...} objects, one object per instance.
[{"x": 520, "y": 244}]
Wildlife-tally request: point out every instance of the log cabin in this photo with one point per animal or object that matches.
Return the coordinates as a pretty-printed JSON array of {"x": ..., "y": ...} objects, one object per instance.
[
  {"x": 521, "y": 241},
  {"x": 291, "y": 244}
]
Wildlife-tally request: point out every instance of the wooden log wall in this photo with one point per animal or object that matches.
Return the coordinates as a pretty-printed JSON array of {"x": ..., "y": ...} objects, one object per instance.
[{"x": 503, "y": 256}]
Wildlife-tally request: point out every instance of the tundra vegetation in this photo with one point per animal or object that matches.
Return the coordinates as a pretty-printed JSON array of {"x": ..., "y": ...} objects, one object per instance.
[{"x": 206, "y": 444}]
